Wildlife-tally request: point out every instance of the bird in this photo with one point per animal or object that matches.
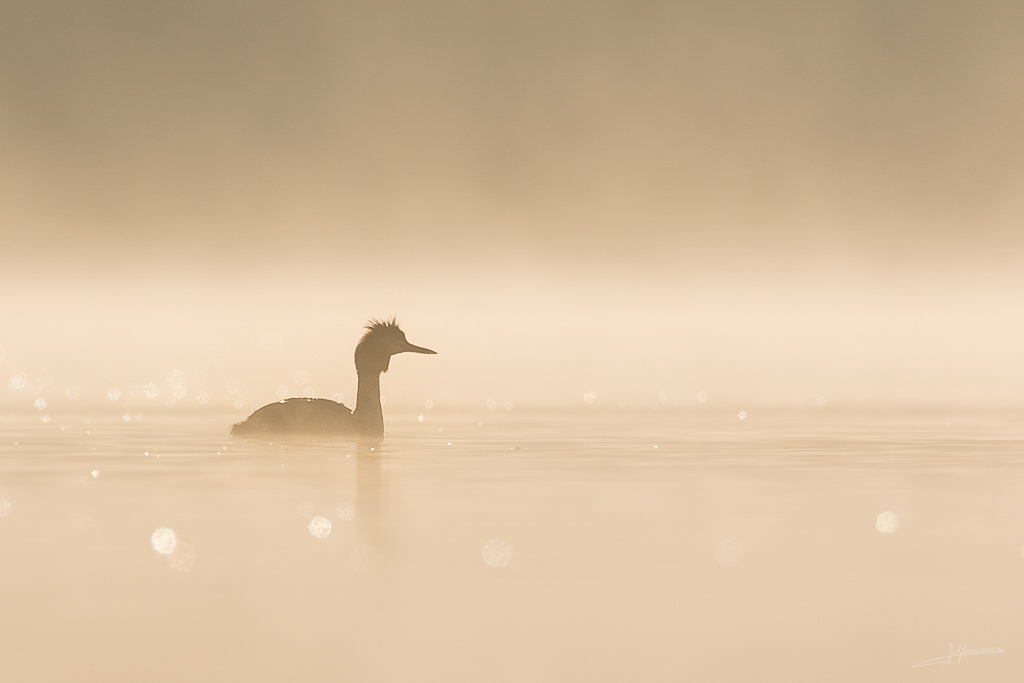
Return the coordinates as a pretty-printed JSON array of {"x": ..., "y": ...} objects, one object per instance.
[{"x": 321, "y": 417}]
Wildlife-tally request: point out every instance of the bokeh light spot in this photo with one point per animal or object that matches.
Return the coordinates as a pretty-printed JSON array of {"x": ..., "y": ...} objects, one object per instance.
[
  {"x": 163, "y": 541},
  {"x": 320, "y": 527},
  {"x": 496, "y": 553},
  {"x": 887, "y": 522}
]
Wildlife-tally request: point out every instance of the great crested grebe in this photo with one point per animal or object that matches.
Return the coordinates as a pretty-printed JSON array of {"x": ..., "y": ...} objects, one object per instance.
[{"x": 302, "y": 417}]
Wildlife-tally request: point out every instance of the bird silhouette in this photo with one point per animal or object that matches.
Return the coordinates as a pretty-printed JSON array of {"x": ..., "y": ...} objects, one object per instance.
[{"x": 320, "y": 417}]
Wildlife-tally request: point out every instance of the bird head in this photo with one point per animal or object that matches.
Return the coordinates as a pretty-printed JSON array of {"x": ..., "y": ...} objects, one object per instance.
[{"x": 382, "y": 340}]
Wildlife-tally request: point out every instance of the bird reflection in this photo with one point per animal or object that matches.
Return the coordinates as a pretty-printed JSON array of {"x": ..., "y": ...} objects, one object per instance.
[
  {"x": 368, "y": 493},
  {"x": 321, "y": 417}
]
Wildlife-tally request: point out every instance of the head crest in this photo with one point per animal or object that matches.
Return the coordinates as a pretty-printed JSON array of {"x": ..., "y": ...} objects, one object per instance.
[{"x": 374, "y": 326}]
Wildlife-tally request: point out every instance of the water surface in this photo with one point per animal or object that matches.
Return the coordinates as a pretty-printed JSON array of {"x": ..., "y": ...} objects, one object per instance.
[{"x": 507, "y": 546}]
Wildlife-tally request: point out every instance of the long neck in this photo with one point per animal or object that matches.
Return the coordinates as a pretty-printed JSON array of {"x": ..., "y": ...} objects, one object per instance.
[{"x": 368, "y": 413}]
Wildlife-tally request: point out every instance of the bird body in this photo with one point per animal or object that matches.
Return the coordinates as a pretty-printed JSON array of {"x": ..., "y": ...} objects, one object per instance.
[
  {"x": 320, "y": 417},
  {"x": 313, "y": 416}
]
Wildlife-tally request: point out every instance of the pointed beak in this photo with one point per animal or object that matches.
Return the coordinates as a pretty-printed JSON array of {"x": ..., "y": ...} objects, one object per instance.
[{"x": 417, "y": 349}]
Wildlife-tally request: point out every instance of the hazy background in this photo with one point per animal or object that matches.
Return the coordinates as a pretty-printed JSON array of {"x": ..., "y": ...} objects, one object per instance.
[{"x": 767, "y": 202}]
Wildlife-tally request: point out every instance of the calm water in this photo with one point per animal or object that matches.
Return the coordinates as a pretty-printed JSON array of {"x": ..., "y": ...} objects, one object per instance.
[{"x": 590, "y": 547}]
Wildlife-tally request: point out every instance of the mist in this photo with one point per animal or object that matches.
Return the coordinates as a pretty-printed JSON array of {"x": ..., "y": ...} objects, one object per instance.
[{"x": 751, "y": 203}]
